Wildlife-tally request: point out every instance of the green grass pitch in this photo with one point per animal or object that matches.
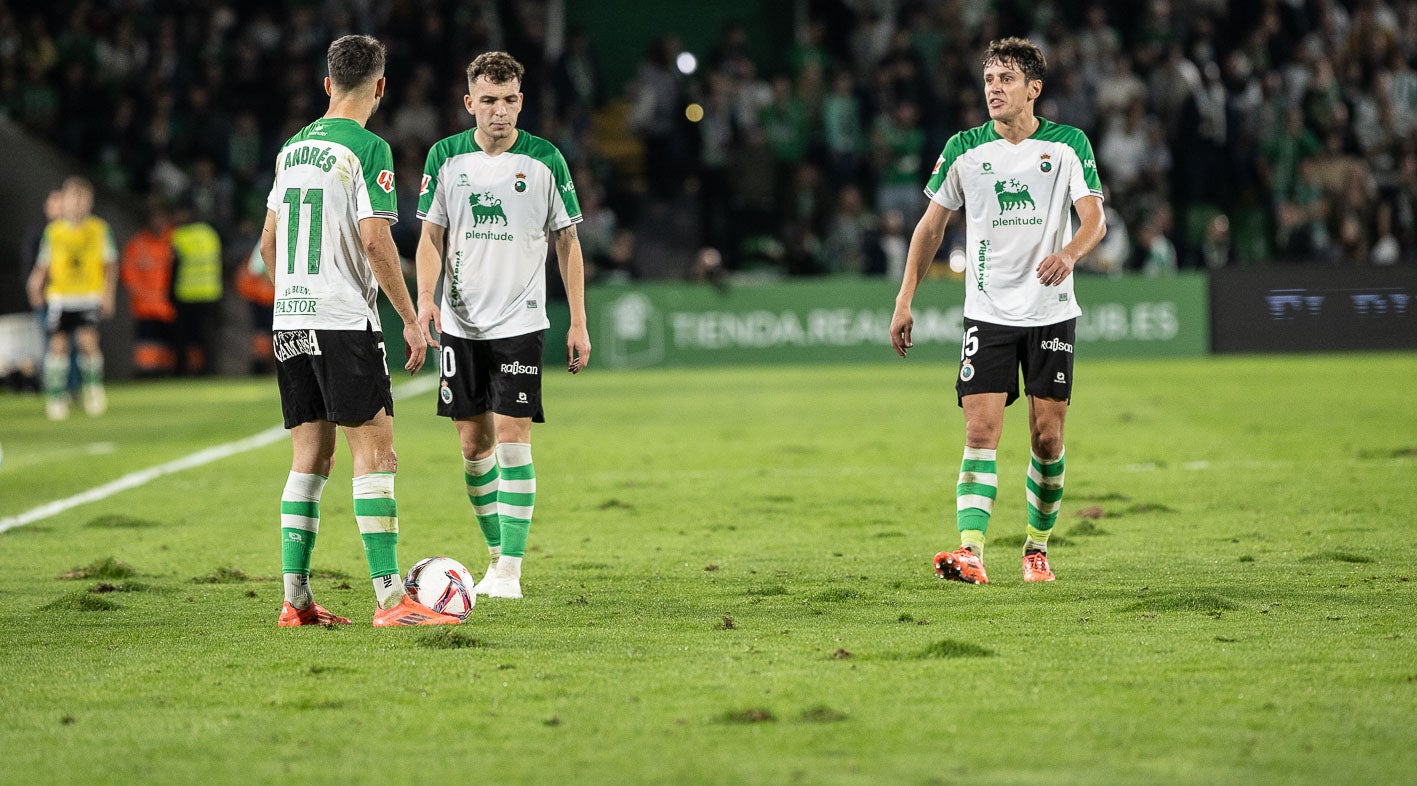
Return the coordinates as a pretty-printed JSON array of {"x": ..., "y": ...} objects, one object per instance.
[{"x": 729, "y": 582}]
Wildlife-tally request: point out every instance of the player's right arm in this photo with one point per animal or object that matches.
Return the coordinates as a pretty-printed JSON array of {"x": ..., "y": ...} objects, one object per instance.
[
  {"x": 429, "y": 261},
  {"x": 383, "y": 256},
  {"x": 34, "y": 285},
  {"x": 268, "y": 242},
  {"x": 924, "y": 243}
]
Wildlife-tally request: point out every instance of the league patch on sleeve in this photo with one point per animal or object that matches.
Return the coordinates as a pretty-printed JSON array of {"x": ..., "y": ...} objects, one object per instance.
[{"x": 386, "y": 181}]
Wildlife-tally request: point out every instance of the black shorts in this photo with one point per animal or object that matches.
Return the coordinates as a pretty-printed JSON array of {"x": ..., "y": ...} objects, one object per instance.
[
  {"x": 993, "y": 354},
  {"x": 502, "y": 375},
  {"x": 335, "y": 375},
  {"x": 67, "y": 320}
]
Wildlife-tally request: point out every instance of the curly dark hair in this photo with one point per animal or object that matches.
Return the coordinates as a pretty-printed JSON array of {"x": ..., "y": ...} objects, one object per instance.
[
  {"x": 1019, "y": 53},
  {"x": 355, "y": 59},
  {"x": 499, "y": 68}
]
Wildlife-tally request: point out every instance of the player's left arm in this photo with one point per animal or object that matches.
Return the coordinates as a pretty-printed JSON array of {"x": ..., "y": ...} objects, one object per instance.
[
  {"x": 1055, "y": 268},
  {"x": 572, "y": 264}
]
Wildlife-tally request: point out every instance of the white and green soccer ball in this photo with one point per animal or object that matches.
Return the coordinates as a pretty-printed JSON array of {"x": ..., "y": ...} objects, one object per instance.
[{"x": 443, "y": 585}]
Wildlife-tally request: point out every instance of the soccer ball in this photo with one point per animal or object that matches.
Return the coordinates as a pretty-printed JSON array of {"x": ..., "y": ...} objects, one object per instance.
[{"x": 442, "y": 584}]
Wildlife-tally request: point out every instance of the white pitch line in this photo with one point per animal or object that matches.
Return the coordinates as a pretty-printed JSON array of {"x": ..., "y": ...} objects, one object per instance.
[{"x": 205, "y": 456}]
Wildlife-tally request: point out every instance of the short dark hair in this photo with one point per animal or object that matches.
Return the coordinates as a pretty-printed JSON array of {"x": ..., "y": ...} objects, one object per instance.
[
  {"x": 499, "y": 68},
  {"x": 354, "y": 60},
  {"x": 1019, "y": 53}
]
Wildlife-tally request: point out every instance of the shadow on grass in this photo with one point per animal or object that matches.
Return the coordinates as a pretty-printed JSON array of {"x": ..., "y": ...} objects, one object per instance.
[
  {"x": 82, "y": 601},
  {"x": 118, "y": 521},
  {"x": 1338, "y": 556},
  {"x": 450, "y": 638}
]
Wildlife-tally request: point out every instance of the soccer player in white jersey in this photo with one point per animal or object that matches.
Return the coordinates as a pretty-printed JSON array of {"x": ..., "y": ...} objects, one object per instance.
[
  {"x": 491, "y": 200},
  {"x": 330, "y": 248},
  {"x": 1017, "y": 177}
]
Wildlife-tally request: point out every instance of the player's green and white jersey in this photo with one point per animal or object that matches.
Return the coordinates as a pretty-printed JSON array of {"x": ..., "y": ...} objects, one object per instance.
[
  {"x": 328, "y": 177},
  {"x": 1018, "y": 208},
  {"x": 499, "y": 212}
]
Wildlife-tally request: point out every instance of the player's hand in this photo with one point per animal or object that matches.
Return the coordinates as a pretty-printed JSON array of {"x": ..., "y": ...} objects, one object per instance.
[
  {"x": 1055, "y": 269},
  {"x": 428, "y": 311},
  {"x": 901, "y": 325},
  {"x": 415, "y": 347},
  {"x": 577, "y": 349}
]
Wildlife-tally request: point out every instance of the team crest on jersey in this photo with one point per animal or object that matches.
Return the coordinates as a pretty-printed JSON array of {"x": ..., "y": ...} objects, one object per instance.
[
  {"x": 520, "y": 185},
  {"x": 966, "y": 370},
  {"x": 1044, "y": 165},
  {"x": 386, "y": 181},
  {"x": 423, "y": 189},
  {"x": 463, "y": 181},
  {"x": 445, "y": 393}
]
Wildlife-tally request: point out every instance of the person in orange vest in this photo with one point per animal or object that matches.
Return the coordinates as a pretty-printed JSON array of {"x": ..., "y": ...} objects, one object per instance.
[
  {"x": 146, "y": 272},
  {"x": 255, "y": 287}
]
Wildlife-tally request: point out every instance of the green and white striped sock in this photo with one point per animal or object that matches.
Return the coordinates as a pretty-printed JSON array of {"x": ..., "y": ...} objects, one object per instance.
[
  {"x": 974, "y": 496},
  {"x": 299, "y": 521},
  {"x": 56, "y": 377},
  {"x": 378, "y": 517},
  {"x": 481, "y": 476},
  {"x": 1045, "y": 497},
  {"x": 516, "y": 497}
]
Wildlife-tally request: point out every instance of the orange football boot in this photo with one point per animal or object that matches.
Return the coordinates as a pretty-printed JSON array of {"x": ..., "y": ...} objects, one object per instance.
[
  {"x": 1035, "y": 567},
  {"x": 314, "y": 614},
  {"x": 961, "y": 565},
  {"x": 409, "y": 612}
]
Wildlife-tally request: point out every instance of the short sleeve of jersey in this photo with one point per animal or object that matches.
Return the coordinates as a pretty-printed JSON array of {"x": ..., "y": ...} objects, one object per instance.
[
  {"x": 565, "y": 205},
  {"x": 431, "y": 206},
  {"x": 1084, "y": 181},
  {"x": 110, "y": 249},
  {"x": 944, "y": 186},
  {"x": 377, "y": 197}
]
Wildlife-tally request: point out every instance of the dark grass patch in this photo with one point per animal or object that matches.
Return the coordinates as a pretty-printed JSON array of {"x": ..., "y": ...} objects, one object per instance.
[
  {"x": 841, "y": 654},
  {"x": 614, "y": 504},
  {"x": 1107, "y": 496},
  {"x": 117, "y": 521},
  {"x": 1247, "y": 558},
  {"x": 821, "y": 713},
  {"x": 450, "y": 638},
  {"x": 317, "y": 704},
  {"x": 749, "y": 715},
  {"x": 1338, "y": 556},
  {"x": 768, "y": 591},
  {"x": 1016, "y": 541},
  {"x": 226, "y": 575},
  {"x": 82, "y": 601},
  {"x": 889, "y": 534},
  {"x": 106, "y": 568},
  {"x": 711, "y": 567},
  {"x": 104, "y": 588},
  {"x": 728, "y": 623},
  {"x": 589, "y": 566},
  {"x": 836, "y": 595},
  {"x": 1386, "y": 453},
  {"x": 1085, "y": 529},
  {"x": 1149, "y": 507},
  {"x": 1182, "y": 601},
  {"x": 332, "y": 575},
  {"x": 949, "y": 648}
]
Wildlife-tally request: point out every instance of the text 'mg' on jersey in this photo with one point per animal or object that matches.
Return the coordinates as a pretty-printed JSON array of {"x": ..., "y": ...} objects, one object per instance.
[
  {"x": 328, "y": 177},
  {"x": 499, "y": 212},
  {"x": 1018, "y": 201}
]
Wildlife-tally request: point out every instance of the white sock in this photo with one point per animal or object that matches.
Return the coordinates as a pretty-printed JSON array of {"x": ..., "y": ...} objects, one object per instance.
[{"x": 509, "y": 567}]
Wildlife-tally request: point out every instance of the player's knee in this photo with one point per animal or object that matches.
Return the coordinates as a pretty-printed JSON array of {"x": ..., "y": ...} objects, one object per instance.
[
  {"x": 982, "y": 434},
  {"x": 1048, "y": 444}
]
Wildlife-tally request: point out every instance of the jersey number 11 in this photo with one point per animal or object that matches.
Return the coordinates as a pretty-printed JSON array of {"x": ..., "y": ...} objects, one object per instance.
[{"x": 315, "y": 198}]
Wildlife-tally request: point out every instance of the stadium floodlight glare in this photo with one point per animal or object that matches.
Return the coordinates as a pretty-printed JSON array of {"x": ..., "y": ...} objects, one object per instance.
[
  {"x": 694, "y": 112},
  {"x": 687, "y": 63}
]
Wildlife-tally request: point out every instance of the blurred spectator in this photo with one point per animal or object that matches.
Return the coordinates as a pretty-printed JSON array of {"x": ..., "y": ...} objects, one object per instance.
[
  {"x": 254, "y": 285},
  {"x": 196, "y": 290},
  {"x": 146, "y": 272}
]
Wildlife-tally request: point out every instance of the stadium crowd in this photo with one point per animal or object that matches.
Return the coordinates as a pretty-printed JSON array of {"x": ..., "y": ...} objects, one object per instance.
[{"x": 1226, "y": 133}]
